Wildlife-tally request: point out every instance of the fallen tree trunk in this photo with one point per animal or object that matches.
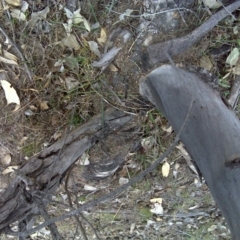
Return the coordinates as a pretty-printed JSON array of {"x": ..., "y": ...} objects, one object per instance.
[
  {"x": 37, "y": 180},
  {"x": 211, "y": 135}
]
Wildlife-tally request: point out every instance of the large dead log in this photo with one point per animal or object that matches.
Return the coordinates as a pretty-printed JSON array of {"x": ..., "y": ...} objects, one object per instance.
[
  {"x": 211, "y": 135},
  {"x": 38, "y": 179}
]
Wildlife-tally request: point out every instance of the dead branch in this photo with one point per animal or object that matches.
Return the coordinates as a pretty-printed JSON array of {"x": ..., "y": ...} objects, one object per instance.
[
  {"x": 156, "y": 53},
  {"x": 38, "y": 179},
  {"x": 212, "y": 135},
  {"x": 121, "y": 189}
]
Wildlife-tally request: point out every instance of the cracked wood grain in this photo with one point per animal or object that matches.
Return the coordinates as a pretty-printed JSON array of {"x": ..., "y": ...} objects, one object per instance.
[{"x": 47, "y": 169}]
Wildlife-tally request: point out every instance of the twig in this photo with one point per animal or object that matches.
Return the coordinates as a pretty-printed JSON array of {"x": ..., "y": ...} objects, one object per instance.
[
  {"x": 120, "y": 189},
  {"x": 180, "y": 13},
  {"x": 52, "y": 227},
  {"x": 10, "y": 19},
  {"x": 71, "y": 205},
  {"x": 111, "y": 6},
  {"x": 87, "y": 221},
  {"x": 207, "y": 9},
  {"x": 170, "y": 59},
  {"x": 19, "y": 53},
  {"x": 227, "y": 10},
  {"x": 158, "y": 13},
  {"x": 115, "y": 95}
]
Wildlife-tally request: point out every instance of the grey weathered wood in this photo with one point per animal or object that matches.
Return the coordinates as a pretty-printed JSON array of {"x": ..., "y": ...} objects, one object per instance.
[
  {"x": 38, "y": 179},
  {"x": 156, "y": 53},
  {"x": 211, "y": 135}
]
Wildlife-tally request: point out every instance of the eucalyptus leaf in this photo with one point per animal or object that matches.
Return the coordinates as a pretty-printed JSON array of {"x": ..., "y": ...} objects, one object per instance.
[{"x": 233, "y": 57}]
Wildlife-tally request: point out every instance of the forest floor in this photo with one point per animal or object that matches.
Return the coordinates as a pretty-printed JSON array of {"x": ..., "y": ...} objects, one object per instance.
[{"x": 66, "y": 91}]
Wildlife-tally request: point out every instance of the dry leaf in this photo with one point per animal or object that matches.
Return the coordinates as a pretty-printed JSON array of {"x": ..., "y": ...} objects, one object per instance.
[
  {"x": 236, "y": 69},
  {"x": 156, "y": 200},
  {"x": 103, "y": 36},
  {"x": 23, "y": 140},
  {"x": 18, "y": 14},
  {"x": 6, "y": 160},
  {"x": 113, "y": 68},
  {"x": 158, "y": 209},
  {"x": 68, "y": 13},
  {"x": 233, "y": 57},
  {"x": 86, "y": 24},
  {"x": 16, "y": 3},
  {"x": 68, "y": 26},
  {"x": 10, "y": 169},
  {"x": 165, "y": 169},
  {"x": 33, "y": 108},
  {"x": 10, "y": 93},
  {"x": 212, "y": 3},
  {"x": 89, "y": 188},
  {"x": 43, "y": 105},
  {"x": 71, "y": 42},
  {"x": 8, "y": 61},
  {"x": 123, "y": 181},
  {"x": 10, "y": 56},
  {"x": 37, "y": 16},
  {"x": 94, "y": 48},
  {"x": 76, "y": 18},
  {"x": 165, "y": 129}
]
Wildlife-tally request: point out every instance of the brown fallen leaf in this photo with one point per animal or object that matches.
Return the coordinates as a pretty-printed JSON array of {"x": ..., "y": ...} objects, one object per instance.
[
  {"x": 103, "y": 36},
  {"x": 43, "y": 105}
]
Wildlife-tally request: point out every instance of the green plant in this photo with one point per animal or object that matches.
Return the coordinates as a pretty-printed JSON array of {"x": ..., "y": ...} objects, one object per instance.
[{"x": 144, "y": 213}]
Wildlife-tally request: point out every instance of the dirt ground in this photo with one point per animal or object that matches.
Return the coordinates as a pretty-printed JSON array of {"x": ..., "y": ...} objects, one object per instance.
[{"x": 66, "y": 91}]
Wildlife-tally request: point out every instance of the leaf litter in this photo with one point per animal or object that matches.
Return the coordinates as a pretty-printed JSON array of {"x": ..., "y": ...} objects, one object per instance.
[{"x": 55, "y": 113}]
